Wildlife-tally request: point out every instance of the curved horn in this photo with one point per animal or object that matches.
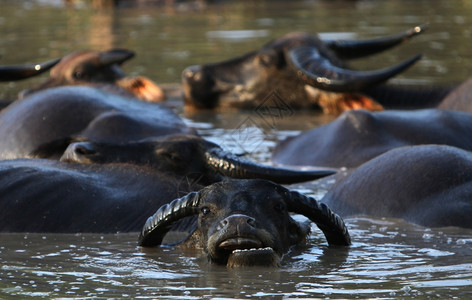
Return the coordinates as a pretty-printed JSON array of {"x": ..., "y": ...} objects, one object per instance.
[
  {"x": 319, "y": 72},
  {"x": 330, "y": 223},
  {"x": 351, "y": 49},
  {"x": 115, "y": 56},
  {"x": 12, "y": 73},
  {"x": 161, "y": 222},
  {"x": 235, "y": 167}
]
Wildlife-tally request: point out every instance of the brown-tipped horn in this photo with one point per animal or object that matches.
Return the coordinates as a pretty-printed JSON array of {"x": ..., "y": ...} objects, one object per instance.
[
  {"x": 232, "y": 166},
  {"x": 157, "y": 226},
  {"x": 115, "y": 56},
  {"x": 351, "y": 49},
  {"x": 331, "y": 224},
  {"x": 319, "y": 72},
  {"x": 12, "y": 73}
]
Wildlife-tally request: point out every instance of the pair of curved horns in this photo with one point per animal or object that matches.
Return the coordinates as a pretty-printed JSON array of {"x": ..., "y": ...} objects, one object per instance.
[
  {"x": 318, "y": 71},
  {"x": 157, "y": 226},
  {"x": 18, "y": 72}
]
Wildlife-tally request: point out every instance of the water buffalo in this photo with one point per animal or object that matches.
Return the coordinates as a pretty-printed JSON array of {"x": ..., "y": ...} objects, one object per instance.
[
  {"x": 18, "y": 72},
  {"x": 430, "y": 185},
  {"x": 245, "y": 222},
  {"x": 39, "y": 195},
  {"x": 185, "y": 156},
  {"x": 357, "y": 136},
  {"x": 46, "y": 121},
  {"x": 302, "y": 71},
  {"x": 100, "y": 69}
]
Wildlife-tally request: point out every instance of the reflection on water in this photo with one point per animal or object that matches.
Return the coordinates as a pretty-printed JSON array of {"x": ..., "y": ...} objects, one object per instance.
[{"x": 389, "y": 258}]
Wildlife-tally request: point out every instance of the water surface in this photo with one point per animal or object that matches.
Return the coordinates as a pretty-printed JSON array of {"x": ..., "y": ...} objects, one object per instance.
[{"x": 388, "y": 259}]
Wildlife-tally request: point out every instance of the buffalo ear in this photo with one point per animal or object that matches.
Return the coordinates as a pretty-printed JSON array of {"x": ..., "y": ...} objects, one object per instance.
[
  {"x": 298, "y": 231},
  {"x": 157, "y": 226},
  {"x": 331, "y": 224}
]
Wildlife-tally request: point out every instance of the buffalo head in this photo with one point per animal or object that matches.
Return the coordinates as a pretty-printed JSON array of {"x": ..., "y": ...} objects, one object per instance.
[
  {"x": 302, "y": 69},
  {"x": 185, "y": 155},
  {"x": 100, "y": 68},
  {"x": 245, "y": 222}
]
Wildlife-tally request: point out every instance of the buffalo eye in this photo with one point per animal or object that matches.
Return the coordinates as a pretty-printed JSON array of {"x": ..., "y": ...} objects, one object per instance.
[
  {"x": 279, "y": 207},
  {"x": 171, "y": 156},
  {"x": 267, "y": 59},
  {"x": 78, "y": 75},
  {"x": 205, "y": 210},
  {"x": 174, "y": 157}
]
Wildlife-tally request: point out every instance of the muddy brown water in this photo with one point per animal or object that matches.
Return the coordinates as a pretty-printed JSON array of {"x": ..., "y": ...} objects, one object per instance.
[{"x": 389, "y": 258}]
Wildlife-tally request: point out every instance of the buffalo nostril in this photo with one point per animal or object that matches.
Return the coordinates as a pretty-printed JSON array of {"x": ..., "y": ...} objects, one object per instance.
[
  {"x": 193, "y": 72},
  {"x": 235, "y": 221},
  {"x": 188, "y": 73},
  {"x": 197, "y": 76},
  {"x": 83, "y": 150},
  {"x": 222, "y": 224}
]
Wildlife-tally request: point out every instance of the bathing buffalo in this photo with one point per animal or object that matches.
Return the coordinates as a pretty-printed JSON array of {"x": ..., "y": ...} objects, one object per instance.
[
  {"x": 357, "y": 136},
  {"x": 18, "y": 72},
  {"x": 39, "y": 195},
  {"x": 429, "y": 185},
  {"x": 100, "y": 69},
  {"x": 302, "y": 71},
  {"x": 44, "y": 123},
  {"x": 186, "y": 156},
  {"x": 245, "y": 222}
]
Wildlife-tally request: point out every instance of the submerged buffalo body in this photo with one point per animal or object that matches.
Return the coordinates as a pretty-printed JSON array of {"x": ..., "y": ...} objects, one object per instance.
[
  {"x": 460, "y": 98},
  {"x": 43, "y": 124},
  {"x": 50, "y": 196},
  {"x": 303, "y": 71},
  {"x": 357, "y": 136},
  {"x": 429, "y": 185},
  {"x": 245, "y": 222},
  {"x": 116, "y": 187}
]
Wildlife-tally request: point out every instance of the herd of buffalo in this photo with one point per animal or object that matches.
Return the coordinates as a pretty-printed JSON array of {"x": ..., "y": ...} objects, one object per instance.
[{"x": 92, "y": 149}]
